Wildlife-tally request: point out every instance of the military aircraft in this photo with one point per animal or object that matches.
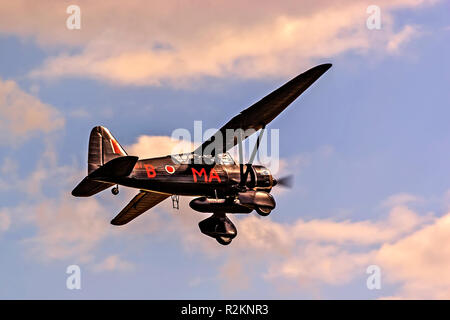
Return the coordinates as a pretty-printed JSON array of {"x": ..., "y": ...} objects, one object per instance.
[{"x": 221, "y": 186}]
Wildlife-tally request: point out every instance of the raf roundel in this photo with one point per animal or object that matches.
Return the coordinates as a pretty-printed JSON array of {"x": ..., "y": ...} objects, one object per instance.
[{"x": 169, "y": 169}]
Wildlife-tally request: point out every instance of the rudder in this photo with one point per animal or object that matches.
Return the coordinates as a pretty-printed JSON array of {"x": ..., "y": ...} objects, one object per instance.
[{"x": 103, "y": 147}]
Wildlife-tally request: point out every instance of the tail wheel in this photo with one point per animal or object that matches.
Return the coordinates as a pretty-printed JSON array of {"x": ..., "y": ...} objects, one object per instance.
[
  {"x": 224, "y": 240},
  {"x": 115, "y": 190},
  {"x": 263, "y": 211}
]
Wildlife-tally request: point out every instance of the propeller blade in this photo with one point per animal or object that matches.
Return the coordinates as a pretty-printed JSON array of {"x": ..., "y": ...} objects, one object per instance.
[{"x": 287, "y": 181}]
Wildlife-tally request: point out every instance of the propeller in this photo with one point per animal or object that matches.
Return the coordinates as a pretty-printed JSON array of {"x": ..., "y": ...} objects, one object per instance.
[{"x": 286, "y": 181}]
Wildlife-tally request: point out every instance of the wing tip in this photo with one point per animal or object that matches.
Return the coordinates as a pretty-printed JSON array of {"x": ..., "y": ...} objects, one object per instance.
[
  {"x": 324, "y": 66},
  {"x": 315, "y": 72},
  {"x": 115, "y": 222}
]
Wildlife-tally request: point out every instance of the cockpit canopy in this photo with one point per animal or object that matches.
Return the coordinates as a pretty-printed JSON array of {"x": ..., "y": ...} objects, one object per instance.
[{"x": 193, "y": 158}]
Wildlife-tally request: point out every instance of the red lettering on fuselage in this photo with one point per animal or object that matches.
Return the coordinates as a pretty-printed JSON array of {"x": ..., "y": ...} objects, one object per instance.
[
  {"x": 212, "y": 175},
  {"x": 151, "y": 173},
  {"x": 195, "y": 173}
]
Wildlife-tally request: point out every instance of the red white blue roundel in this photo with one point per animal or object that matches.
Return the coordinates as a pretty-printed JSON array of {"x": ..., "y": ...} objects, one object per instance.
[{"x": 169, "y": 169}]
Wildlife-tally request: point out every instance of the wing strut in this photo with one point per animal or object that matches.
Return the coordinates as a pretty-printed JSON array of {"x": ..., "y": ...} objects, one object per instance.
[
  {"x": 252, "y": 157},
  {"x": 241, "y": 158}
]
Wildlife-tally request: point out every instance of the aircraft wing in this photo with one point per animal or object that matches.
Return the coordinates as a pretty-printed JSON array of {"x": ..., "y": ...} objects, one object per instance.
[
  {"x": 143, "y": 201},
  {"x": 262, "y": 112}
]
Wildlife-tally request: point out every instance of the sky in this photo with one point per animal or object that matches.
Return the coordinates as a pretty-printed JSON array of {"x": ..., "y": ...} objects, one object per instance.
[{"x": 367, "y": 145}]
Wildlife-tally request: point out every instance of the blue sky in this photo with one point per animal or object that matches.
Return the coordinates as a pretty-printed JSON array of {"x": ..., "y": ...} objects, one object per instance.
[{"x": 369, "y": 142}]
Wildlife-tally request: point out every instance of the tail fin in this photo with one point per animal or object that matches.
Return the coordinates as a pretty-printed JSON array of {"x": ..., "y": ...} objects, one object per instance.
[{"x": 103, "y": 147}]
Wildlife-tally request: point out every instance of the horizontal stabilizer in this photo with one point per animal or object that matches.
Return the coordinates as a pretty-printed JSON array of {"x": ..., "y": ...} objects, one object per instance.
[
  {"x": 118, "y": 167},
  {"x": 115, "y": 168},
  {"x": 88, "y": 187}
]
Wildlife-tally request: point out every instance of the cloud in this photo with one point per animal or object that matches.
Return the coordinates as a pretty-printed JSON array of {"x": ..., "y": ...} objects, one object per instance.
[
  {"x": 23, "y": 115},
  {"x": 314, "y": 264},
  {"x": 314, "y": 253},
  {"x": 412, "y": 249},
  {"x": 156, "y": 146},
  {"x": 305, "y": 254},
  {"x": 47, "y": 172},
  {"x": 113, "y": 263},
  {"x": 322, "y": 251},
  {"x": 66, "y": 228},
  {"x": 402, "y": 37},
  {"x": 178, "y": 43},
  {"x": 401, "y": 199},
  {"x": 234, "y": 277},
  {"x": 420, "y": 261},
  {"x": 5, "y": 221}
]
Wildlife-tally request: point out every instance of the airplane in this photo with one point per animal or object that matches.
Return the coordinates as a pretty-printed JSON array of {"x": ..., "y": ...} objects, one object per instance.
[{"x": 209, "y": 172}]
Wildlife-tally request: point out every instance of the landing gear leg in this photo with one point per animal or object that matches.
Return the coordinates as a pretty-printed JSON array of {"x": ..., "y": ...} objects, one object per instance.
[
  {"x": 115, "y": 190},
  {"x": 175, "y": 201}
]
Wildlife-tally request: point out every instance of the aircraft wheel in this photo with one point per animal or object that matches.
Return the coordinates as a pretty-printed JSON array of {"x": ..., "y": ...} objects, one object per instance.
[
  {"x": 263, "y": 211},
  {"x": 224, "y": 240},
  {"x": 115, "y": 191}
]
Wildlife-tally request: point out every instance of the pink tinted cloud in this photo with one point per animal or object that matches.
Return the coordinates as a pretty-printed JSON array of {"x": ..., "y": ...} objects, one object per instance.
[{"x": 154, "y": 43}]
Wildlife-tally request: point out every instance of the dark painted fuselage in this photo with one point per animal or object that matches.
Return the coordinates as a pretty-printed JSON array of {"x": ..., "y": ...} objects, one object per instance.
[{"x": 215, "y": 180}]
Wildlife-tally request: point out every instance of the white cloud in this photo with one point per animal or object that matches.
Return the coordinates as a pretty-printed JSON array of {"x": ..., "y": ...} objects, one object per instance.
[
  {"x": 178, "y": 43},
  {"x": 401, "y": 199},
  {"x": 113, "y": 263},
  {"x": 410, "y": 248},
  {"x": 402, "y": 37},
  {"x": 46, "y": 171},
  {"x": 23, "y": 115},
  {"x": 306, "y": 254},
  {"x": 156, "y": 146},
  {"x": 412, "y": 251},
  {"x": 314, "y": 264},
  {"x": 67, "y": 228},
  {"x": 420, "y": 261}
]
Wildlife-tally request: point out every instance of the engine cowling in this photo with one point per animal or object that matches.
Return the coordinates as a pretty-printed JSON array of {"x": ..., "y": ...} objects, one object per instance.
[
  {"x": 264, "y": 179},
  {"x": 257, "y": 199},
  {"x": 259, "y": 177}
]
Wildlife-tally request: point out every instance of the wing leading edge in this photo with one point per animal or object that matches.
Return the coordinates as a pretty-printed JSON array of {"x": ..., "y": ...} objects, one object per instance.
[
  {"x": 262, "y": 112},
  {"x": 142, "y": 202}
]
